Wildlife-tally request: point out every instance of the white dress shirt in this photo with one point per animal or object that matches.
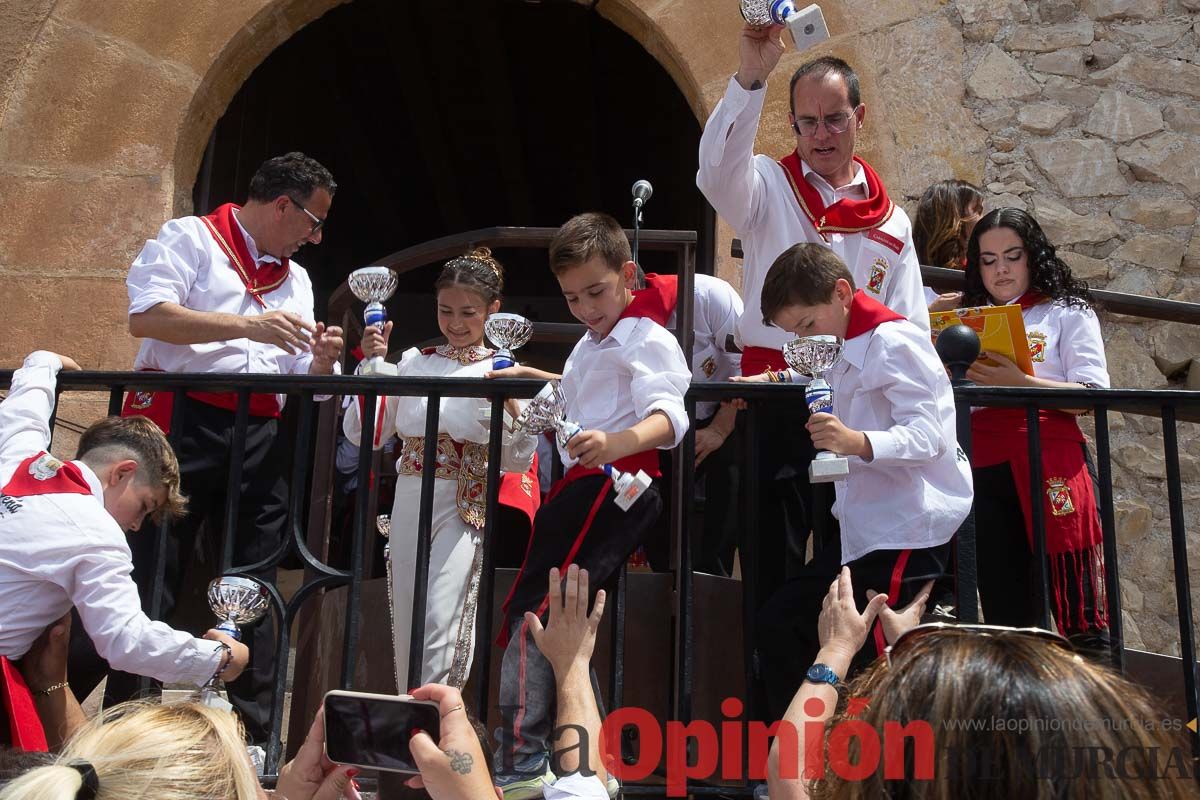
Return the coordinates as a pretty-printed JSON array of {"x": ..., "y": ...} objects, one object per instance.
[
  {"x": 612, "y": 384},
  {"x": 184, "y": 265},
  {"x": 1065, "y": 344},
  {"x": 464, "y": 419},
  {"x": 752, "y": 193},
  {"x": 917, "y": 489},
  {"x": 64, "y": 550},
  {"x": 717, "y": 311}
]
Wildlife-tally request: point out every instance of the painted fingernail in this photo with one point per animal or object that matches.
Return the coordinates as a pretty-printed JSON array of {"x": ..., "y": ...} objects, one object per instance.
[
  {"x": 350, "y": 773},
  {"x": 354, "y": 783}
]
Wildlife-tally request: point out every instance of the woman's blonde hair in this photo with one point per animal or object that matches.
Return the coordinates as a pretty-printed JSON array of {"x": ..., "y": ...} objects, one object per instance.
[
  {"x": 183, "y": 751},
  {"x": 1011, "y": 715}
]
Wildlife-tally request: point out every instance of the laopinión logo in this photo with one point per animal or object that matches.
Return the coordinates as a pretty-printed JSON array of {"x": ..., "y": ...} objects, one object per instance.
[{"x": 854, "y": 750}]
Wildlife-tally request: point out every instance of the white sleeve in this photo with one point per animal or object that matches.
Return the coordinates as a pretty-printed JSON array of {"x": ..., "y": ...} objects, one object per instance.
[
  {"x": 103, "y": 591},
  {"x": 905, "y": 293},
  {"x": 660, "y": 378},
  {"x": 25, "y": 413},
  {"x": 914, "y": 389},
  {"x": 727, "y": 176},
  {"x": 301, "y": 363},
  {"x": 726, "y": 307},
  {"x": 576, "y": 787},
  {"x": 1081, "y": 347},
  {"x": 166, "y": 269}
]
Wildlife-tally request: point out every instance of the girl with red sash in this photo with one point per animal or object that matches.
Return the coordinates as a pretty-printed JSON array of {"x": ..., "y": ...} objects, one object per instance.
[
  {"x": 468, "y": 291},
  {"x": 1010, "y": 261}
]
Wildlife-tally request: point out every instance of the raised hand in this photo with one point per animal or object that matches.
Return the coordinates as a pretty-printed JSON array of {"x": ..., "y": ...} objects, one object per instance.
[
  {"x": 239, "y": 654},
  {"x": 311, "y": 775},
  {"x": 840, "y": 626},
  {"x": 453, "y": 767},
  {"x": 375, "y": 341},
  {"x": 285, "y": 330},
  {"x": 569, "y": 637},
  {"x": 759, "y": 52},
  {"x": 897, "y": 622}
]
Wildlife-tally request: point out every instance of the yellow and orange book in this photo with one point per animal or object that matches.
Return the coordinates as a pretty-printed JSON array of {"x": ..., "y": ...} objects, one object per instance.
[{"x": 1001, "y": 330}]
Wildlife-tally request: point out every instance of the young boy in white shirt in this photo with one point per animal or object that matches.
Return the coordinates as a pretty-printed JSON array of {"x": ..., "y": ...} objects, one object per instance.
[
  {"x": 624, "y": 385},
  {"x": 62, "y": 537},
  {"x": 909, "y": 486}
]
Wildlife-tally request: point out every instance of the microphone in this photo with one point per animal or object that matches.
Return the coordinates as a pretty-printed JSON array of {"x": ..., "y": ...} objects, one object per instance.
[{"x": 642, "y": 190}]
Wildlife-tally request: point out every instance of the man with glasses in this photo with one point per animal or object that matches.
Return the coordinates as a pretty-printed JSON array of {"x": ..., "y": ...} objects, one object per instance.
[
  {"x": 220, "y": 294},
  {"x": 820, "y": 193}
]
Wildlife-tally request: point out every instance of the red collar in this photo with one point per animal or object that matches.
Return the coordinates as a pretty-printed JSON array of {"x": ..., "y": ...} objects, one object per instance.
[
  {"x": 866, "y": 314},
  {"x": 266, "y": 276},
  {"x": 845, "y": 215},
  {"x": 657, "y": 301},
  {"x": 42, "y": 473},
  {"x": 1031, "y": 299}
]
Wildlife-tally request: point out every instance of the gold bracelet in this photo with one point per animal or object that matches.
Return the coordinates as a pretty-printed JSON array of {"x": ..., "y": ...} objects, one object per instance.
[
  {"x": 49, "y": 690},
  {"x": 771, "y": 376}
]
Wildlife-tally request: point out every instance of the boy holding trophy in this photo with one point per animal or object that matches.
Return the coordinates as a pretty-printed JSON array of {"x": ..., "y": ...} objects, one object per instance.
[
  {"x": 908, "y": 486},
  {"x": 623, "y": 385}
]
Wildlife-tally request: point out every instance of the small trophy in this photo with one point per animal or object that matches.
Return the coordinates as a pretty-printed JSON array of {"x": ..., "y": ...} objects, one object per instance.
[
  {"x": 237, "y": 601},
  {"x": 546, "y": 412},
  {"x": 806, "y": 24},
  {"x": 508, "y": 332},
  {"x": 816, "y": 355},
  {"x": 373, "y": 285}
]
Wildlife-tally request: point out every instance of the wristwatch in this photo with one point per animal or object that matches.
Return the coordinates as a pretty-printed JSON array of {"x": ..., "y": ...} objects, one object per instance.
[{"x": 821, "y": 673}]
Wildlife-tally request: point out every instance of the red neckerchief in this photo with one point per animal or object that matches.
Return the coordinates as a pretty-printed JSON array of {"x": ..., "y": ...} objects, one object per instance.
[
  {"x": 845, "y": 215},
  {"x": 867, "y": 313},
  {"x": 1031, "y": 299},
  {"x": 266, "y": 276},
  {"x": 42, "y": 473},
  {"x": 657, "y": 301}
]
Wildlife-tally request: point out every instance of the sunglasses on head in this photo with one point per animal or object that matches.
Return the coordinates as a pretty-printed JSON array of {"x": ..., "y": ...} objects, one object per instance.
[{"x": 906, "y": 639}]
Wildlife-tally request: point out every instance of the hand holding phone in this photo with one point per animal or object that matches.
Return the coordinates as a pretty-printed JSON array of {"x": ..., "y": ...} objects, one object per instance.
[
  {"x": 373, "y": 731},
  {"x": 452, "y": 763}
]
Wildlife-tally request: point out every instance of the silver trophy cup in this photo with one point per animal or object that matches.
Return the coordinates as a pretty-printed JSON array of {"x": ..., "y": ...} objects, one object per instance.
[
  {"x": 373, "y": 285},
  {"x": 816, "y": 355},
  {"x": 508, "y": 332},
  {"x": 546, "y": 411},
  {"x": 806, "y": 24},
  {"x": 236, "y": 601}
]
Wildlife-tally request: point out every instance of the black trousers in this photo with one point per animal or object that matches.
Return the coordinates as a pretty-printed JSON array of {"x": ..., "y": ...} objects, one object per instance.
[
  {"x": 204, "y": 451},
  {"x": 785, "y": 636}
]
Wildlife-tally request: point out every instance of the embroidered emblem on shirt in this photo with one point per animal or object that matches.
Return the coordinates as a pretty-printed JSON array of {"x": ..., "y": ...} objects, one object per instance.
[
  {"x": 141, "y": 401},
  {"x": 45, "y": 467},
  {"x": 463, "y": 355},
  {"x": 8, "y": 505},
  {"x": 527, "y": 485},
  {"x": 1059, "y": 495},
  {"x": 879, "y": 268},
  {"x": 1037, "y": 346},
  {"x": 708, "y": 367}
]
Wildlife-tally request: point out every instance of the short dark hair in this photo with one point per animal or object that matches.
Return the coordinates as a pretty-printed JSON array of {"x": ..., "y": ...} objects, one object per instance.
[
  {"x": 585, "y": 236},
  {"x": 292, "y": 174},
  {"x": 804, "y": 275},
  {"x": 819, "y": 68},
  {"x": 138, "y": 439}
]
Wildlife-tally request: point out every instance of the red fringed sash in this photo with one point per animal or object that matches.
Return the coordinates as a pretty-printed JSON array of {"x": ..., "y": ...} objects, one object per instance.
[{"x": 25, "y": 730}]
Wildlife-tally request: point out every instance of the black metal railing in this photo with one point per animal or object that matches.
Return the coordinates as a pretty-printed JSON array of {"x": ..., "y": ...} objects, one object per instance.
[{"x": 1167, "y": 405}]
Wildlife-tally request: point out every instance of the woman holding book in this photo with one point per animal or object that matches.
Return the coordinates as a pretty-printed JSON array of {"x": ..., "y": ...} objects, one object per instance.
[{"x": 1009, "y": 261}]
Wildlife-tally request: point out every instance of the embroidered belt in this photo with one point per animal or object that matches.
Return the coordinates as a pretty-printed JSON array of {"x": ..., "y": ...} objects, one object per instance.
[{"x": 465, "y": 462}]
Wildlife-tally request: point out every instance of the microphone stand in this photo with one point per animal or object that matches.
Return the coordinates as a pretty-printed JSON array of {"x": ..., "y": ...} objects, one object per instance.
[{"x": 637, "y": 226}]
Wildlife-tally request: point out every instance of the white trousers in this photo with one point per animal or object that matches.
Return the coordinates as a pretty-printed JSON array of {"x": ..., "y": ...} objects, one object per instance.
[{"x": 452, "y": 556}]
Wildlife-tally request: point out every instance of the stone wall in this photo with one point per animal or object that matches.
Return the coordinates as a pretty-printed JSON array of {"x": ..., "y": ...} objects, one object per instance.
[{"x": 1087, "y": 112}]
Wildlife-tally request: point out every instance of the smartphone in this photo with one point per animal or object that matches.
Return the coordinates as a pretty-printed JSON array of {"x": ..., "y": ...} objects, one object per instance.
[{"x": 372, "y": 730}]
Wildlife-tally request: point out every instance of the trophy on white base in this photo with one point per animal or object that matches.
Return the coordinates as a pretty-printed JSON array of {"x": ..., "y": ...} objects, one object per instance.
[
  {"x": 806, "y": 24},
  {"x": 373, "y": 285},
  {"x": 508, "y": 332},
  {"x": 816, "y": 355},
  {"x": 236, "y": 601},
  {"x": 546, "y": 412}
]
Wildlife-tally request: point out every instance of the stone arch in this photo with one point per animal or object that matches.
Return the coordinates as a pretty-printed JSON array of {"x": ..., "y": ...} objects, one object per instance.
[{"x": 104, "y": 121}]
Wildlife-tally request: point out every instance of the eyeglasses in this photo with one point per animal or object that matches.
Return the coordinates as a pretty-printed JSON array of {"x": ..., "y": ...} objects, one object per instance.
[
  {"x": 911, "y": 635},
  {"x": 317, "y": 222},
  {"x": 834, "y": 123}
]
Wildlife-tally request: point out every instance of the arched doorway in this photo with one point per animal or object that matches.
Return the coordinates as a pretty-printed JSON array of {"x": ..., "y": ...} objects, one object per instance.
[{"x": 517, "y": 113}]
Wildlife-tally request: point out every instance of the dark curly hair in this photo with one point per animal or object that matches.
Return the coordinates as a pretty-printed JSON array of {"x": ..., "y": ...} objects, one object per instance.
[
  {"x": 478, "y": 271},
  {"x": 1049, "y": 275}
]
